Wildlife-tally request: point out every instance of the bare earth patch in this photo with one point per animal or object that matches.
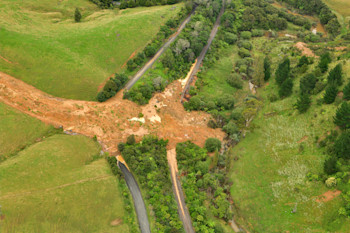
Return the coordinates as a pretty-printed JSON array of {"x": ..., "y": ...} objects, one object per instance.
[
  {"x": 304, "y": 49},
  {"x": 109, "y": 121},
  {"x": 328, "y": 196},
  {"x": 303, "y": 139}
]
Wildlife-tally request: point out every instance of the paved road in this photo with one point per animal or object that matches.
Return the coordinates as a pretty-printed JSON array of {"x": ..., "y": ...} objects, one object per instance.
[
  {"x": 149, "y": 64},
  {"x": 204, "y": 51},
  {"x": 137, "y": 197}
]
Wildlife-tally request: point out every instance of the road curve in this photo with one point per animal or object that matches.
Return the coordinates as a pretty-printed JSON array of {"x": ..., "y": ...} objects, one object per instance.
[
  {"x": 149, "y": 64},
  {"x": 204, "y": 51},
  {"x": 139, "y": 204}
]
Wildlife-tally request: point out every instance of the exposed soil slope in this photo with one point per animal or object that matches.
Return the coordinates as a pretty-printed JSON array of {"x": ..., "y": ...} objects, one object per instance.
[{"x": 113, "y": 121}]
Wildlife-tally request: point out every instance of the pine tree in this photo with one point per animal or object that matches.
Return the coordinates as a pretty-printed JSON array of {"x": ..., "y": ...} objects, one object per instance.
[
  {"x": 282, "y": 72},
  {"x": 303, "y": 103},
  {"x": 346, "y": 92},
  {"x": 307, "y": 83},
  {"x": 335, "y": 75},
  {"x": 77, "y": 15},
  {"x": 325, "y": 60},
  {"x": 267, "y": 69},
  {"x": 286, "y": 88},
  {"x": 342, "y": 116},
  {"x": 342, "y": 145},
  {"x": 331, "y": 93}
]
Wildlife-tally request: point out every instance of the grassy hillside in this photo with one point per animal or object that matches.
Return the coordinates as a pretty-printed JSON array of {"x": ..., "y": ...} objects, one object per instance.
[
  {"x": 340, "y": 6},
  {"x": 279, "y": 161},
  {"x": 59, "y": 185},
  {"x": 18, "y": 130},
  {"x": 42, "y": 45}
]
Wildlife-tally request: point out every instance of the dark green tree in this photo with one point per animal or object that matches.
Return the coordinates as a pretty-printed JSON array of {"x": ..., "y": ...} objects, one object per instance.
[
  {"x": 77, "y": 15},
  {"x": 324, "y": 61},
  {"x": 342, "y": 116},
  {"x": 307, "y": 83},
  {"x": 333, "y": 27},
  {"x": 346, "y": 91},
  {"x": 303, "y": 60},
  {"x": 335, "y": 75},
  {"x": 267, "y": 68},
  {"x": 303, "y": 103},
  {"x": 131, "y": 140},
  {"x": 331, "y": 93},
  {"x": 342, "y": 145},
  {"x": 212, "y": 144},
  {"x": 330, "y": 165},
  {"x": 282, "y": 72},
  {"x": 286, "y": 88}
]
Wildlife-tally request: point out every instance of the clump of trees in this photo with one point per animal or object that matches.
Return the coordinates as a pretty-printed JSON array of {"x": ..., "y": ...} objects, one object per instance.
[
  {"x": 204, "y": 180},
  {"x": 112, "y": 86},
  {"x": 148, "y": 160}
]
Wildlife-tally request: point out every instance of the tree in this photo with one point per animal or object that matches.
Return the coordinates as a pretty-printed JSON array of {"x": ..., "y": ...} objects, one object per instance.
[
  {"x": 335, "y": 75},
  {"x": 303, "y": 103},
  {"x": 212, "y": 144},
  {"x": 324, "y": 61},
  {"x": 226, "y": 101},
  {"x": 77, "y": 15},
  {"x": 302, "y": 61},
  {"x": 342, "y": 145},
  {"x": 286, "y": 88},
  {"x": 230, "y": 38},
  {"x": 342, "y": 116},
  {"x": 333, "y": 27},
  {"x": 331, "y": 93},
  {"x": 330, "y": 165},
  {"x": 246, "y": 35},
  {"x": 267, "y": 69},
  {"x": 346, "y": 91},
  {"x": 150, "y": 50},
  {"x": 307, "y": 83},
  {"x": 101, "y": 96},
  {"x": 231, "y": 128},
  {"x": 282, "y": 72}
]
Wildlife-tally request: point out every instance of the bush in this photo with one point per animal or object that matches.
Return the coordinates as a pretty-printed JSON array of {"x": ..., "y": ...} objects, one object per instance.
[
  {"x": 226, "y": 102},
  {"x": 324, "y": 61},
  {"x": 257, "y": 33},
  {"x": 212, "y": 144},
  {"x": 307, "y": 83},
  {"x": 244, "y": 53},
  {"x": 77, "y": 15},
  {"x": 131, "y": 140},
  {"x": 231, "y": 128},
  {"x": 230, "y": 38},
  {"x": 246, "y": 35},
  {"x": 246, "y": 44},
  {"x": 150, "y": 51},
  {"x": 335, "y": 75},
  {"x": 235, "y": 80},
  {"x": 302, "y": 61}
]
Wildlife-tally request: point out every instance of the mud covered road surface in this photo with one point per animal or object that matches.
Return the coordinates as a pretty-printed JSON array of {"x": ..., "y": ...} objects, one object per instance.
[{"x": 114, "y": 120}]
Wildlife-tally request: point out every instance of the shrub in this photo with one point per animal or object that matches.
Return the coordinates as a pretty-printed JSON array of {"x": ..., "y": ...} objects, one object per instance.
[
  {"x": 324, "y": 61},
  {"x": 231, "y": 128},
  {"x": 150, "y": 51},
  {"x": 235, "y": 80},
  {"x": 302, "y": 61},
  {"x": 230, "y": 38},
  {"x": 226, "y": 101},
  {"x": 307, "y": 83},
  {"x": 131, "y": 140},
  {"x": 77, "y": 15},
  {"x": 244, "y": 53},
  {"x": 257, "y": 33},
  {"x": 331, "y": 93},
  {"x": 246, "y": 35},
  {"x": 212, "y": 144},
  {"x": 246, "y": 44},
  {"x": 267, "y": 69},
  {"x": 101, "y": 96},
  {"x": 342, "y": 116}
]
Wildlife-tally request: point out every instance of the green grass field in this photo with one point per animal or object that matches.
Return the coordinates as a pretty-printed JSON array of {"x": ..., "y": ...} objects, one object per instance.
[
  {"x": 41, "y": 45},
  {"x": 275, "y": 159},
  {"x": 18, "y": 130},
  {"x": 59, "y": 185}
]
